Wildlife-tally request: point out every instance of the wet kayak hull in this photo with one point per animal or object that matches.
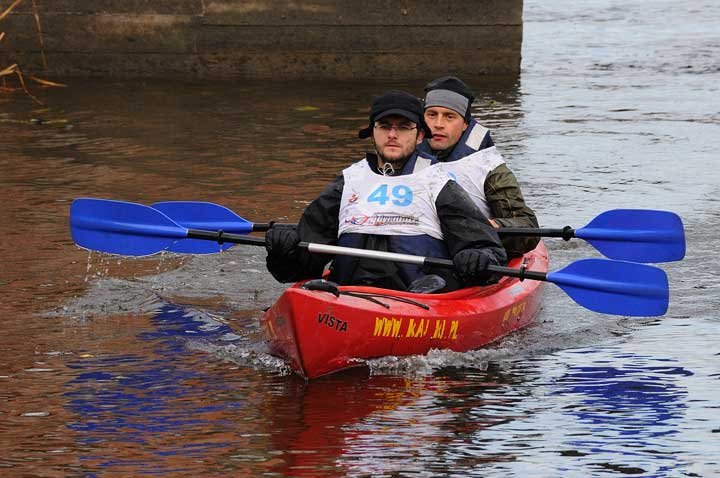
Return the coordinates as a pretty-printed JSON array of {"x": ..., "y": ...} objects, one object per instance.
[{"x": 318, "y": 333}]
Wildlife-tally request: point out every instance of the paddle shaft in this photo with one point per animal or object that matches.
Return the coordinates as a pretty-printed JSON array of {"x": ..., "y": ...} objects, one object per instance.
[
  {"x": 221, "y": 237},
  {"x": 264, "y": 226},
  {"x": 566, "y": 232}
]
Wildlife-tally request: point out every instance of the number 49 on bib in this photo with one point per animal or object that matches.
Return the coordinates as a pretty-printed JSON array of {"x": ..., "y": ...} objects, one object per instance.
[{"x": 400, "y": 195}]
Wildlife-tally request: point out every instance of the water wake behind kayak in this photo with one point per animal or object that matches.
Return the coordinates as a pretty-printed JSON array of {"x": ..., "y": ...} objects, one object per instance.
[{"x": 212, "y": 304}]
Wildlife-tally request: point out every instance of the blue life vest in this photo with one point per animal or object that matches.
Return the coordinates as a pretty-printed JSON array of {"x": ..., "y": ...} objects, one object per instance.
[
  {"x": 474, "y": 138},
  {"x": 417, "y": 162}
]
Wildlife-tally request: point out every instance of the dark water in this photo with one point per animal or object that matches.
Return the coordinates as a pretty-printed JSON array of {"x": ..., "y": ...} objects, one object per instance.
[{"x": 156, "y": 367}]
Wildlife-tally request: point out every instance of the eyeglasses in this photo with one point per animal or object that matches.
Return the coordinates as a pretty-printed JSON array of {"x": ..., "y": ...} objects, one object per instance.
[{"x": 404, "y": 128}]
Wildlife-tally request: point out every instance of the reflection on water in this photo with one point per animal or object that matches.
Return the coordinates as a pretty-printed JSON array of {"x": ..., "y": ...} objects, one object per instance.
[
  {"x": 157, "y": 410},
  {"x": 626, "y": 413},
  {"x": 113, "y": 367},
  {"x": 152, "y": 409}
]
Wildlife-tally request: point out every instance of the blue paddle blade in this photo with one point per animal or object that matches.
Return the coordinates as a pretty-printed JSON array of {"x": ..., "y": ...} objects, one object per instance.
[
  {"x": 123, "y": 228},
  {"x": 205, "y": 216},
  {"x": 615, "y": 287},
  {"x": 636, "y": 235}
]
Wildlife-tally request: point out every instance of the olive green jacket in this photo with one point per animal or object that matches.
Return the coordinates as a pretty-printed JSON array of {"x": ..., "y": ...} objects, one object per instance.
[{"x": 506, "y": 202}]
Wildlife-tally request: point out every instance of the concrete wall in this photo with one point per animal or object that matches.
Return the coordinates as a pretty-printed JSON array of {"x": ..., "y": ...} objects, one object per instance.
[{"x": 349, "y": 39}]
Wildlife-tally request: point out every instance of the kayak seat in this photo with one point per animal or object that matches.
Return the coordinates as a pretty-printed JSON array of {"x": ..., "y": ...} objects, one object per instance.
[
  {"x": 322, "y": 285},
  {"x": 427, "y": 284}
]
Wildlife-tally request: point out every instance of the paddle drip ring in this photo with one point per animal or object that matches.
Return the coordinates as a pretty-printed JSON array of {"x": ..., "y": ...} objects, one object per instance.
[
  {"x": 220, "y": 237},
  {"x": 567, "y": 233},
  {"x": 523, "y": 268}
]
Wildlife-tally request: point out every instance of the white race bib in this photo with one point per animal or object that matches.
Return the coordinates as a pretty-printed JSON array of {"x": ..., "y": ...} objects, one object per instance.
[
  {"x": 391, "y": 205},
  {"x": 471, "y": 171}
]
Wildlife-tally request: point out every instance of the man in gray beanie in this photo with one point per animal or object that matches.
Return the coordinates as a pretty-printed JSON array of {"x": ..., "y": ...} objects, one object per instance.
[{"x": 467, "y": 151}]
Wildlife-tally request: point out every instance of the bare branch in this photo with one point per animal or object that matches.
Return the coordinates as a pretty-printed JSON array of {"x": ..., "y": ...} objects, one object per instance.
[{"x": 10, "y": 9}]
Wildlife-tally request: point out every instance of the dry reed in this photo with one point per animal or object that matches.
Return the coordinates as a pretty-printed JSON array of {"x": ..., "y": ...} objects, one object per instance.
[{"x": 14, "y": 69}]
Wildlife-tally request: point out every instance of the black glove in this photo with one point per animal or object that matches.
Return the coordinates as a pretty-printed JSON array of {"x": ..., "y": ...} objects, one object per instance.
[
  {"x": 281, "y": 243},
  {"x": 471, "y": 265}
]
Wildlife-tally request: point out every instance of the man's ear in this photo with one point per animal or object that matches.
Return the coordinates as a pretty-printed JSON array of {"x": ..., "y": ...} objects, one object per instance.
[{"x": 420, "y": 136}]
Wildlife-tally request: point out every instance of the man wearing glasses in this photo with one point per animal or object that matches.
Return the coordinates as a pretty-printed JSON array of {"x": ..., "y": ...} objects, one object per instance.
[{"x": 391, "y": 201}]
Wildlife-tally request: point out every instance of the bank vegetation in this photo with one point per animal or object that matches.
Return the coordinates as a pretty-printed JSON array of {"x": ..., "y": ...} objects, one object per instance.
[{"x": 12, "y": 77}]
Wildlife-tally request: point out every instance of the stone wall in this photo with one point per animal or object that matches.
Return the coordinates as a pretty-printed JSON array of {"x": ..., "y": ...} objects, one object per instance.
[{"x": 281, "y": 39}]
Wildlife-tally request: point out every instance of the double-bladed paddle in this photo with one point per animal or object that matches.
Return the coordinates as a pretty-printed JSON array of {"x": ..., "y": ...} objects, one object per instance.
[
  {"x": 606, "y": 286},
  {"x": 635, "y": 235}
]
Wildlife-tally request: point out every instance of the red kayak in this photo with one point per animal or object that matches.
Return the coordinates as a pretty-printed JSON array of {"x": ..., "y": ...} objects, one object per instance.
[{"x": 319, "y": 333}]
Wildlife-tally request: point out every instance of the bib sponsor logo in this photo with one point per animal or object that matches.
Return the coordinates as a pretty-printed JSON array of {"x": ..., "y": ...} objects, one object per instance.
[{"x": 383, "y": 220}]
